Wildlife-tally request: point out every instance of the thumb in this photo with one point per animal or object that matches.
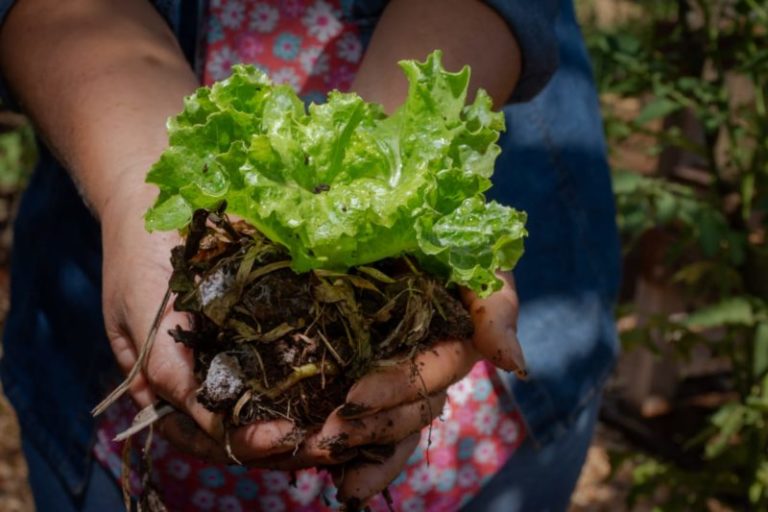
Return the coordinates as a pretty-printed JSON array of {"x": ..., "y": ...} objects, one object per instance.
[{"x": 495, "y": 321}]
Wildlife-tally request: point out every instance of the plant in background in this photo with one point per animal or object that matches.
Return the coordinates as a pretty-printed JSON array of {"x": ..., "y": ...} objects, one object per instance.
[
  {"x": 17, "y": 158},
  {"x": 705, "y": 60},
  {"x": 17, "y": 153}
]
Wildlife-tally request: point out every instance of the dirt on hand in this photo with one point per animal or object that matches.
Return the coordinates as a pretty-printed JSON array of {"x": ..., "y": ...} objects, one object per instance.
[{"x": 270, "y": 343}]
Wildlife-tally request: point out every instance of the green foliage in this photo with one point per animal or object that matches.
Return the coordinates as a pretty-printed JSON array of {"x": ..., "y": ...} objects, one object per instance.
[
  {"x": 341, "y": 184},
  {"x": 683, "y": 58},
  {"x": 17, "y": 157}
]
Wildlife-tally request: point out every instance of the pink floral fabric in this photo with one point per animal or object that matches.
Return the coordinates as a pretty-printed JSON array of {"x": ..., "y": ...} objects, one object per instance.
[
  {"x": 307, "y": 44},
  {"x": 474, "y": 436}
]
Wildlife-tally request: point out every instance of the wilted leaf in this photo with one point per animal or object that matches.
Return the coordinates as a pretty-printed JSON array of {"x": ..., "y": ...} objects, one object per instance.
[{"x": 731, "y": 311}]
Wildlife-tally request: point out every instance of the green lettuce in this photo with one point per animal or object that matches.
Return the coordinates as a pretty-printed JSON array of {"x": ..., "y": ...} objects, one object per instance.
[{"x": 341, "y": 184}]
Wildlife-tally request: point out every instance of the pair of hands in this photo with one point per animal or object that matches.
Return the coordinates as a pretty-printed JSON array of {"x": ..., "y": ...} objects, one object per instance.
[{"x": 387, "y": 406}]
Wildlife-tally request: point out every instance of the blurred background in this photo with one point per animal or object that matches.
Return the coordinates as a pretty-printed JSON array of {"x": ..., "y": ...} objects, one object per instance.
[{"x": 684, "y": 89}]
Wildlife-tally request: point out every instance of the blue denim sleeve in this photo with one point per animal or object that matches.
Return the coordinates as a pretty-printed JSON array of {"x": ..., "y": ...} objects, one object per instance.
[
  {"x": 533, "y": 24},
  {"x": 5, "y": 99},
  {"x": 5, "y": 7}
]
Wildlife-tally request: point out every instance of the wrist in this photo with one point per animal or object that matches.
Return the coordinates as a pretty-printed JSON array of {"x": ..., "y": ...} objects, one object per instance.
[{"x": 124, "y": 194}]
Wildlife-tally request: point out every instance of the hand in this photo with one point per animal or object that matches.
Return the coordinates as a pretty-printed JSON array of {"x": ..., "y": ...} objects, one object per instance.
[
  {"x": 135, "y": 271},
  {"x": 390, "y": 406}
]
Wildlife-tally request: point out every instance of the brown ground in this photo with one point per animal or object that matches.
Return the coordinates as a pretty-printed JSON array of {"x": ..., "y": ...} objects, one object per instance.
[
  {"x": 596, "y": 491},
  {"x": 14, "y": 491}
]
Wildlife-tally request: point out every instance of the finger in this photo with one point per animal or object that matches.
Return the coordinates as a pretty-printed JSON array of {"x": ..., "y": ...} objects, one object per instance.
[
  {"x": 174, "y": 380},
  {"x": 301, "y": 459},
  {"x": 427, "y": 373},
  {"x": 339, "y": 437},
  {"x": 170, "y": 375},
  {"x": 187, "y": 437},
  {"x": 126, "y": 355},
  {"x": 364, "y": 481},
  {"x": 495, "y": 321}
]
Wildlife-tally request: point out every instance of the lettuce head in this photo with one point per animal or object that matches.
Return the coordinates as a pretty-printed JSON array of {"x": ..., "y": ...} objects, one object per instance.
[{"x": 341, "y": 184}]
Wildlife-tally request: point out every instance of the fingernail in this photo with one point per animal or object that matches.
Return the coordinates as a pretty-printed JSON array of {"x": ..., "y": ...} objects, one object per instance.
[
  {"x": 515, "y": 350},
  {"x": 352, "y": 411}
]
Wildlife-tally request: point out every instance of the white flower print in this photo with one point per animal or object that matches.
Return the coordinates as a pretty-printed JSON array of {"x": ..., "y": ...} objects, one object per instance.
[
  {"x": 233, "y": 14},
  {"x": 486, "y": 419},
  {"x": 292, "y": 8},
  {"x": 451, "y": 430},
  {"x": 230, "y": 504},
  {"x": 203, "y": 499},
  {"x": 425, "y": 442},
  {"x": 422, "y": 479},
  {"x": 272, "y": 503},
  {"x": 263, "y": 18},
  {"x": 159, "y": 447},
  {"x": 220, "y": 64},
  {"x": 446, "y": 413},
  {"x": 485, "y": 452},
  {"x": 415, "y": 504},
  {"x": 307, "y": 487},
  {"x": 349, "y": 48},
  {"x": 275, "y": 481},
  {"x": 509, "y": 431},
  {"x": 467, "y": 476},
  {"x": 177, "y": 468},
  {"x": 481, "y": 389},
  {"x": 434, "y": 434},
  {"x": 249, "y": 47},
  {"x": 321, "y": 22},
  {"x": 446, "y": 479},
  {"x": 340, "y": 78},
  {"x": 287, "y": 76},
  {"x": 314, "y": 61},
  {"x": 459, "y": 393}
]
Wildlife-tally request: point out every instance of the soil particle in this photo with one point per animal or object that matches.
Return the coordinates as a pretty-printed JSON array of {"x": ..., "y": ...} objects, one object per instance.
[
  {"x": 338, "y": 446},
  {"x": 215, "y": 284},
  {"x": 224, "y": 379}
]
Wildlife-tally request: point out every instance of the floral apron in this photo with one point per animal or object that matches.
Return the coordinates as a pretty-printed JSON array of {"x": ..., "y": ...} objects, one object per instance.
[{"x": 307, "y": 45}]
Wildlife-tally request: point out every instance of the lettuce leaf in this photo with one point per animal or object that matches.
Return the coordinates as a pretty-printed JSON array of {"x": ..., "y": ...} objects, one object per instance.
[{"x": 341, "y": 184}]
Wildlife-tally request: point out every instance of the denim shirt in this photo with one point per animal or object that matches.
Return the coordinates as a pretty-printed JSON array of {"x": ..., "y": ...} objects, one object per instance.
[{"x": 57, "y": 363}]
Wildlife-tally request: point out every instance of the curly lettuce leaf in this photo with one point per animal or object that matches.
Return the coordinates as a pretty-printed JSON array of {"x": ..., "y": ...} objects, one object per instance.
[{"x": 341, "y": 184}]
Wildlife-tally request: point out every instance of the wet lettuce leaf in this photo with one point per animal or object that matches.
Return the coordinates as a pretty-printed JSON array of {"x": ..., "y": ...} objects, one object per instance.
[{"x": 341, "y": 184}]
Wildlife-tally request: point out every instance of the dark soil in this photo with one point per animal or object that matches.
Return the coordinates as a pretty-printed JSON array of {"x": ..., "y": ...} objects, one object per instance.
[{"x": 270, "y": 343}]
